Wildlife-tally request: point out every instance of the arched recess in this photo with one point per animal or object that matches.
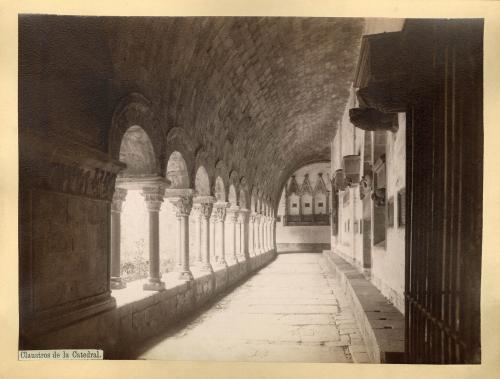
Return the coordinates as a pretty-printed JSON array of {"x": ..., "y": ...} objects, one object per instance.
[
  {"x": 132, "y": 111},
  {"x": 205, "y": 160},
  {"x": 253, "y": 200},
  {"x": 202, "y": 182},
  {"x": 180, "y": 143},
  {"x": 129, "y": 226},
  {"x": 222, "y": 181},
  {"x": 244, "y": 200},
  {"x": 286, "y": 174},
  {"x": 232, "y": 197},
  {"x": 137, "y": 152},
  {"x": 177, "y": 171},
  {"x": 219, "y": 189}
]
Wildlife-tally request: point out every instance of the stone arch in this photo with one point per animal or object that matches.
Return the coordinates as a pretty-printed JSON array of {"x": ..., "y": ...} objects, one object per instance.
[
  {"x": 233, "y": 196},
  {"x": 219, "y": 189},
  {"x": 135, "y": 111},
  {"x": 137, "y": 152},
  {"x": 222, "y": 177},
  {"x": 244, "y": 196},
  {"x": 205, "y": 160},
  {"x": 259, "y": 202},
  {"x": 179, "y": 141},
  {"x": 177, "y": 171},
  {"x": 202, "y": 182}
]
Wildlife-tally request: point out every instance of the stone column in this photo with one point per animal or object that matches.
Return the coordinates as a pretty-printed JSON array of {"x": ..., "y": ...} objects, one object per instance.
[
  {"x": 213, "y": 224},
  {"x": 257, "y": 234},
  {"x": 206, "y": 211},
  {"x": 266, "y": 233},
  {"x": 233, "y": 220},
  {"x": 243, "y": 250},
  {"x": 116, "y": 210},
  {"x": 154, "y": 198},
  {"x": 251, "y": 235},
  {"x": 198, "y": 238},
  {"x": 183, "y": 207},
  {"x": 220, "y": 217},
  {"x": 261, "y": 234},
  {"x": 275, "y": 248}
]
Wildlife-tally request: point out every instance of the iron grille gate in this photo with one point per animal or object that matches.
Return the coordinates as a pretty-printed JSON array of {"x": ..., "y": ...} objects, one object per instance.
[{"x": 444, "y": 202}]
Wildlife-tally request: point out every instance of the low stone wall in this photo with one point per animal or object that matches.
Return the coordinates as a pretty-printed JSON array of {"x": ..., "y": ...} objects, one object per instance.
[
  {"x": 381, "y": 324},
  {"x": 121, "y": 331},
  {"x": 302, "y": 247}
]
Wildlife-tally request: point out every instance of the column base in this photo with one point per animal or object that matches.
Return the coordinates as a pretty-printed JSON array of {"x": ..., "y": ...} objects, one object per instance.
[
  {"x": 241, "y": 258},
  {"x": 186, "y": 275},
  {"x": 154, "y": 285},
  {"x": 117, "y": 283}
]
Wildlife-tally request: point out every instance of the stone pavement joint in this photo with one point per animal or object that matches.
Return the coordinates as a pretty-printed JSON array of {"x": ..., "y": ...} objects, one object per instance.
[{"x": 290, "y": 311}]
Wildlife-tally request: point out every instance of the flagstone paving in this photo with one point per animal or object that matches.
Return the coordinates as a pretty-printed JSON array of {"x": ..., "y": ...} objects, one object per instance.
[{"x": 290, "y": 311}]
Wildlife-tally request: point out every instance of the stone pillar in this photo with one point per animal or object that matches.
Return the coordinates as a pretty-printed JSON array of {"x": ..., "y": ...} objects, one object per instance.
[
  {"x": 183, "y": 205},
  {"x": 266, "y": 233},
  {"x": 242, "y": 220},
  {"x": 198, "y": 238},
  {"x": 274, "y": 235},
  {"x": 213, "y": 224},
  {"x": 262, "y": 248},
  {"x": 251, "y": 235},
  {"x": 206, "y": 211},
  {"x": 257, "y": 234},
  {"x": 116, "y": 210},
  {"x": 220, "y": 217},
  {"x": 271, "y": 227},
  {"x": 154, "y": 198},
  {"x": 233, "y": 220}
]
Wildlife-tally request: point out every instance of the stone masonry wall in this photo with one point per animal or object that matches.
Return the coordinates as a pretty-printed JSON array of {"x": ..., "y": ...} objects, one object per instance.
[{"x": 121, "y": 331}]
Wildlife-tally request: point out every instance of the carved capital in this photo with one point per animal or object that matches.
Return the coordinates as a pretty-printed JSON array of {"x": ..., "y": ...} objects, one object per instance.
[
  {"x": 183, "y": 205},
  {"x": 206, "y": 210},
  {"x": 252, "y": 218},
  {"x": 118, "y": 198},
  {"x": 153, "y": 197},
  {"x": 220, "y": 212}
]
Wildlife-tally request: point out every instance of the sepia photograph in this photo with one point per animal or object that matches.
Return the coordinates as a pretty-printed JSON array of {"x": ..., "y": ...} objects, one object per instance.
[{"x": 250, "y": 189}]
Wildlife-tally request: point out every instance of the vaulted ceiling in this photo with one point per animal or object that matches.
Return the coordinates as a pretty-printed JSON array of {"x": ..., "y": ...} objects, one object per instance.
[{"x": 263, "y": 94}]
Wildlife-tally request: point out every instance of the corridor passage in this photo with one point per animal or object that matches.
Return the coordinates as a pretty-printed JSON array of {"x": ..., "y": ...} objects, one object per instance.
[{"x": 292, "y": 310}]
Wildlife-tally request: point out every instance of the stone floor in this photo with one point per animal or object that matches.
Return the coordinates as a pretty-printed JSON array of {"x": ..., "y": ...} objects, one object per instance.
[{"x": 292, "y": 311}]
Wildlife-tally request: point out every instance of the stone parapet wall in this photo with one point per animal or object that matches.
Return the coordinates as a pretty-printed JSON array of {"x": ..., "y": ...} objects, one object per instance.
[
  {"x": 381, "y": 324},
  {"x": 120, "y": 332},
  {"x": 302, "y": 247}
]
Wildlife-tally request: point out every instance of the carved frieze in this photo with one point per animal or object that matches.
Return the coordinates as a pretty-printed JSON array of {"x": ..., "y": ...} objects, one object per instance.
[{"x": 93, "y": 183}]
